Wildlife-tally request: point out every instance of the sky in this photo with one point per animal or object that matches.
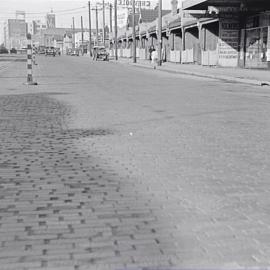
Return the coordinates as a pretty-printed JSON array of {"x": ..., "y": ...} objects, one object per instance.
[{"x": 63, "y": 9}]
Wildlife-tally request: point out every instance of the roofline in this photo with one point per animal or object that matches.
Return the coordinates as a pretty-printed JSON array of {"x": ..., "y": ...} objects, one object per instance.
[{"x": 191, "y": 3}]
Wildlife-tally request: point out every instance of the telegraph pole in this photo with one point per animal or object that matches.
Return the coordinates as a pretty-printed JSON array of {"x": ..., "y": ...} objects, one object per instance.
[
  {"x": 90, "y": 30},
  {"x": 133, "y": 31},
  {"x": 115, "y": 29},
  {"x": 111, "y": 28},
  {"x": 73, "y": 28},
  {"x": 97, "y": 22},
  {"x": 103, "y": 15},
  {"x": 82, "y": 35},
  {"x": 160, "y": 33}
]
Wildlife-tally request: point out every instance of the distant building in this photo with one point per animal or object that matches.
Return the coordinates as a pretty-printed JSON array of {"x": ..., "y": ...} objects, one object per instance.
[
  {"x": 50, "y": 20},
  {"x": 145, "y": 16},
  {"x": 39, "y": 25},
  {"x": 16, "y": 30},
  {"x": 30, "y": 28},
  {"x": 5, "y": 33}
]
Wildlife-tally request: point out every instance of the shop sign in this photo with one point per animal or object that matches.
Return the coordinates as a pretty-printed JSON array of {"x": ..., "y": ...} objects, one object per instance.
[
  {"x": 228, "y": 42},
  {"x": 214, "y": 9},
  {"x": 128, "y": 3}
]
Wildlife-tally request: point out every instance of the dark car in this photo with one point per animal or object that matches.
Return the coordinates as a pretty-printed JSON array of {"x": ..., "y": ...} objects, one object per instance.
[
  {"x": 3, "y": 50},
  {"x": 100, "y": 52},
  {"x": 13, "y": 51},
  {"x": 50, "y": 51},
  {"x": 57, "y": 51}
]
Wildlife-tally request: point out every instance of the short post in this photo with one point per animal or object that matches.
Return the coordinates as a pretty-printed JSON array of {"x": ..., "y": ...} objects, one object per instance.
[
  {"x": 34, "y": 55},
  {"x": 29, "y": 61}
]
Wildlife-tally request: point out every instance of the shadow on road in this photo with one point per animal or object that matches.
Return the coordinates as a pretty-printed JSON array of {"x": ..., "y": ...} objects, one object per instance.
[{"x": 63, "y": 207}]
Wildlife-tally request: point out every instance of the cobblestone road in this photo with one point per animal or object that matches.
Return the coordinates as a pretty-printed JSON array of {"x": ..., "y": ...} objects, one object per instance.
[{"x": 132, "y": 169}]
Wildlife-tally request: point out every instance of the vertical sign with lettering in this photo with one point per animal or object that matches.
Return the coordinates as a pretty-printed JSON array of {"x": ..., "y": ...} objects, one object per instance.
[{"x": 228, "y": 42}]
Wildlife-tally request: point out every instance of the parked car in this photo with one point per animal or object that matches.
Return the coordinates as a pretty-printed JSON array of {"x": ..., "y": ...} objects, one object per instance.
[
  {"x": 3, "y": 50},
  {"x": 100, "y": 52},
  {"x": 41, "y": 49},
  {"x": 75, "y": 52},
  {"x": 13, "y": 51},
  {"x": 57, "y": 51},
  {"x": 50, "y": 51}
]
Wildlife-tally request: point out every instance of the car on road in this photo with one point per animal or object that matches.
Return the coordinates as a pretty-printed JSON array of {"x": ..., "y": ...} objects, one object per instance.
[
  {"x": 13, "y": 51},
  {"x": 75, "y": 52},
  {"x": 100, "y": 52},
  {"x": 3, "y": 50},
  {"x": 50, "y": 51},
  {"x": 57, "y": 51},
  {"x": 41, "y": 50}
]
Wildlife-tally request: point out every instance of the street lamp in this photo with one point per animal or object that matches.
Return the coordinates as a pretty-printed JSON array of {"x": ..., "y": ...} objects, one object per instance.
[
  {"x": 133, "y": 31},
  {"x": 90, "y": 29},
  {"x": 115, "y": 29},
  {"x": 160, "y": 33}
]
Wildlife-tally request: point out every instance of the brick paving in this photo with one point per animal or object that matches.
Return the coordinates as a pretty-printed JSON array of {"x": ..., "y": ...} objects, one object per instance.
[{"x": 111, "y": 176}]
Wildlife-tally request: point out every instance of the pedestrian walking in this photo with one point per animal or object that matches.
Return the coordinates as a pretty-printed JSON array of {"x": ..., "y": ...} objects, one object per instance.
[
  {"x": 151, "y": 49},
  {"x": 154, "y": 57}
]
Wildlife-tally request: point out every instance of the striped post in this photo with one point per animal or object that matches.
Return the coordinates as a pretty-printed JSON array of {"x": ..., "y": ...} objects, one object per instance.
[
  {"x": 34, "y": 55},
  {"x": 29, "y": 60}
]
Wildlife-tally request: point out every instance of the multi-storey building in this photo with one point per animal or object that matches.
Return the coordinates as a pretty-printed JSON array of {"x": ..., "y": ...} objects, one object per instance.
[{"x": 16, "y": 33}]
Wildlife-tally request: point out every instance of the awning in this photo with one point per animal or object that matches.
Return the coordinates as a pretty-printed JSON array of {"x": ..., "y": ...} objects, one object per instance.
[
  {"x": 204, "y": 21},
  {"x": 196, "y": 23},
  {"x": 204, "y": 4},
  {"x": 143, "y": 33},
  {"x": 152, "y": 29},
  {"x": 176, "y": 24}
]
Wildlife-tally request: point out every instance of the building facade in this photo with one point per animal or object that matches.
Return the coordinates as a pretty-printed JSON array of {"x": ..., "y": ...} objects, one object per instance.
[
  {"x": 16, "y": 30},
  {"x": 227, "y": 33},
  {"x": 50, "y": 20}
]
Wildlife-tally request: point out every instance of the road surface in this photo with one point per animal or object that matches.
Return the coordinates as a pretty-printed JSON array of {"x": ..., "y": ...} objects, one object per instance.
[{"x": 109, "y": 166}]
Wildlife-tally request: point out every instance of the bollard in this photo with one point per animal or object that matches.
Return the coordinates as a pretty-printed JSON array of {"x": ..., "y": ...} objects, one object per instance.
[
  {"x": 29, "y": 61},
  {"x": 34, "y": 55}
]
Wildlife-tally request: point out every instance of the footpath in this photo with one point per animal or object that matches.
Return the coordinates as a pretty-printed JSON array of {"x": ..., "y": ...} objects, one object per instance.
[{"x": 246, "y": 76}]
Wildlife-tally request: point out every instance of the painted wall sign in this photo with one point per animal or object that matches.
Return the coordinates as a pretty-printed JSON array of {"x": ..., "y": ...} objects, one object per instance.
[
  {"x": 228, "y": 42},
  {"x": 137, "y": 3}
]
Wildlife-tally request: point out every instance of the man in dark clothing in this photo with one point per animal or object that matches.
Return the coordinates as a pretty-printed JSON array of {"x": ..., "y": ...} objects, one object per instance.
[{"x": 151, "y": 49}]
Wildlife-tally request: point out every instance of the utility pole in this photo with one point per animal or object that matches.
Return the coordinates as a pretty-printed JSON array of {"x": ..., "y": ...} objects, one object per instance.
[
  {"x": 103, "y": 15},
  {"x": 97, "y": 24},
  {"x": 111, "y": 28},
  {"x": 115, "y": 29},
  {"x": 133, "y": 31},
  {"x": 160, "y": 33},
  {"x": 73, "y": 28},
  {"x": 82, "y": 35},
  {"x": 90, "y": 30}
]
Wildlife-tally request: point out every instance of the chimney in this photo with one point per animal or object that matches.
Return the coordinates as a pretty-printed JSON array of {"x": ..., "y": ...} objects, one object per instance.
[{"x": 174, "y": 4}]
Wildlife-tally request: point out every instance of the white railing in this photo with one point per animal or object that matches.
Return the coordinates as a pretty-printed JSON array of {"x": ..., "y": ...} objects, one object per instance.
[
  {"x": 210, "y": 58},
  {"x": 142, "y": 54},
  {"x": 175, "y": 56},
  {"x": 127, "y": 53},
  {"x": 188, "y": 56}
]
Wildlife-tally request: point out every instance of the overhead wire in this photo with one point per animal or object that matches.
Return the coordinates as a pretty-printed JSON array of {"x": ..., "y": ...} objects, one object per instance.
[{"x": 40, "y": 13}]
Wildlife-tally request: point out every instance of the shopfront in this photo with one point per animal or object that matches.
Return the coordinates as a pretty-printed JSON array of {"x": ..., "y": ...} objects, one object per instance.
[
  {"x": 256, "y": 43},
  {"x": 175, "y": 41},
  {"x": 209, "y": 42},
  {"x": 191, "y": 50}
]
